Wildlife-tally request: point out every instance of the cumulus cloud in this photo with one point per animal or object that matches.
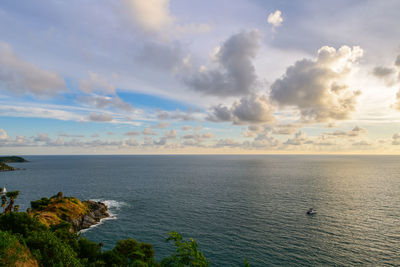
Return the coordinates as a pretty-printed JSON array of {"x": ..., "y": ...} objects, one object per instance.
[
  {"x": 100, "y": 117},
  {"x": 250, "y": 109},
  {"x": 170, "y": 134},
  {"x": 3, "y": 135},
  {"x": 22, "y": 77},
  {"x": 318, "y": 88},
  {"x": 387, "y": 74},
  {"x": 42, "y": 137},
  {"x": 96, "y": 83},
  {"x": 275, "y": 18},
  {"x": 154, "y": 16},
  {"x": 161, "y": 142},
  {"x": 102, "y": 102},
  {"x": 235, "y": 73},
  {"x": 298, "y": 139}
]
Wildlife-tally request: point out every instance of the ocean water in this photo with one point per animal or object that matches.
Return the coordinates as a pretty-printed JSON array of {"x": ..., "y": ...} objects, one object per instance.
[{"x": 235, "y": 207}]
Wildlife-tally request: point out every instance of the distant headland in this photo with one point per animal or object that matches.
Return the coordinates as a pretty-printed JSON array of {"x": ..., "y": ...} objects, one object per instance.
[{"x": 10, "y": 159}]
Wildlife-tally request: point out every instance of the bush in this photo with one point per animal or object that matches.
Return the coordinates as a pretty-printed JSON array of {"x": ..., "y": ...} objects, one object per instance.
[
  {"x": 49, "y": 250},
  {"x": 11, "y": 251},
  {"x": 40, "y": 204},
  {"x": 186, "y": 253}
]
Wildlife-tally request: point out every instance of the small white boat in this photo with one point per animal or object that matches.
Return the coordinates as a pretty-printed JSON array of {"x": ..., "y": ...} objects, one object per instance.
[
  {"x": 3, "y": 191},
  {"x": 311, "y": 211}
]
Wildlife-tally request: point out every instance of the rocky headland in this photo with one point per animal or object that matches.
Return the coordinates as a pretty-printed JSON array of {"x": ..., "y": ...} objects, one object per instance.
[{"x": 59, "y": 209}]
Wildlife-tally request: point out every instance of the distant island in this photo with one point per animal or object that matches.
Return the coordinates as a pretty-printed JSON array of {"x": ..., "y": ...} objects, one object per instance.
[{"x": 10, "y": 159}]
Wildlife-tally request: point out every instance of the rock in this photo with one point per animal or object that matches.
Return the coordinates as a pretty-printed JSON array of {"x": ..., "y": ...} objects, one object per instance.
[{"x": 97, "y": 211}]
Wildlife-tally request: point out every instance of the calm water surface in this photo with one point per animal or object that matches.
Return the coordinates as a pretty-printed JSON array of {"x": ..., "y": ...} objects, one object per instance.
[{"x": 236, "y": 207}]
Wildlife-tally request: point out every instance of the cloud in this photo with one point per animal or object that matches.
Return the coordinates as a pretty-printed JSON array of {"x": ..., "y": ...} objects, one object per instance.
[
  {"x": 71, "y": 135},
  {"x": 97, "y": 117},
  {"x": 170, "y": 134},
  {"x": 228, "y": 142},
  {"x": 387, "y": 74},
  {"x": 96, "y": 83},
  {"x": 3, "y": 135},
  {"x": 397, "y": 62},
  {"x": 42, "y": 137},
  {"x": 22, "y": 77},
  {"x": 299, "y": 139},
  {"x": 151, "y": 15},
  {"x": 102, "y": 102},
  {"x": 285, "y": 129},
  {"x": 148, "y": 131},
  {"x": 251, "y": 109},
  {"x": 132, "y": 133},
  {"x": 162, "y": 56},
  {"x": 161, "y": 142},
  {"x": 178, "y": 115},
  {"x": 161, "y": 125},
  {"x": 362, "y": 143},
  {"x": 275, "y": 18},
  {"x": 235, "y": 73},
  {"x": 356, "y": 131},
  {"x": 396, "y": 139},
  {"x": 207, "y": 135},
  {"x": 186, "y": 128},
  {"x": 154, "y": 16},
  {"x": 318, "y": 88}
]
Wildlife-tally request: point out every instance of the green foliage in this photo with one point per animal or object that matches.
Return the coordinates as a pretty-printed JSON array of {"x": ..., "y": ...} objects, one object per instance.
[
  {"x": 20, "y": 223},
  {"x": 12, "y": 159},
  {"x": 89, "y": 250},
  {"x": 49, "y": 250},
  {"x": 5, "y": 167},
  {"x": 40, "y": 204},
  {"x": 186, "y": 253},
  {"x": 49, "y": 246},
  {"x": 11, "y": 251},
  {"x": 129, "y": 252},
  {"x": 12, "y": 194}
]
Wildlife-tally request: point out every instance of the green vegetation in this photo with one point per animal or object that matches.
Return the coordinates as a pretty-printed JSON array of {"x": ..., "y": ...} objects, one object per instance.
[
  {"x": 12, "y": 159},
  {"x": 27, "y": 239},
  {"x": 5, "y": 167}
]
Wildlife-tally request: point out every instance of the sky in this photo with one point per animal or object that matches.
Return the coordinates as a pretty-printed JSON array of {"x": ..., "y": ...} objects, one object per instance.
[{"x": 199, "y": 77}]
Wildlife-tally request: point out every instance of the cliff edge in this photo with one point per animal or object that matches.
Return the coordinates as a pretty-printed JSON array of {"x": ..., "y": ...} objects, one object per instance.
[{"x": 59, "y": 209}]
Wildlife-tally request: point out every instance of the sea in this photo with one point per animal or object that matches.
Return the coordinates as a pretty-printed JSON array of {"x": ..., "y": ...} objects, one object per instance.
[{"x": 235, "y": 206}]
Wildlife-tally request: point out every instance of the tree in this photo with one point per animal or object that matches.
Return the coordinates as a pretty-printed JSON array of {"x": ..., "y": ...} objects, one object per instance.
[
  {"x": 186, "y": 253},
  {"x": 11, "y": 199}
]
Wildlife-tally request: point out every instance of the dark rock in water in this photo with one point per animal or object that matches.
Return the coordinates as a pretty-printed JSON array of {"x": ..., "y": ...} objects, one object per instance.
[{"x": 97, "y": 211}]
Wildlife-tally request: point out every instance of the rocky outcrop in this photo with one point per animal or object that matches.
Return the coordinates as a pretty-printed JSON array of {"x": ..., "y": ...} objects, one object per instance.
[
  {"x": 58, "y": 209},
  {"x": 97, "y": 211}
]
